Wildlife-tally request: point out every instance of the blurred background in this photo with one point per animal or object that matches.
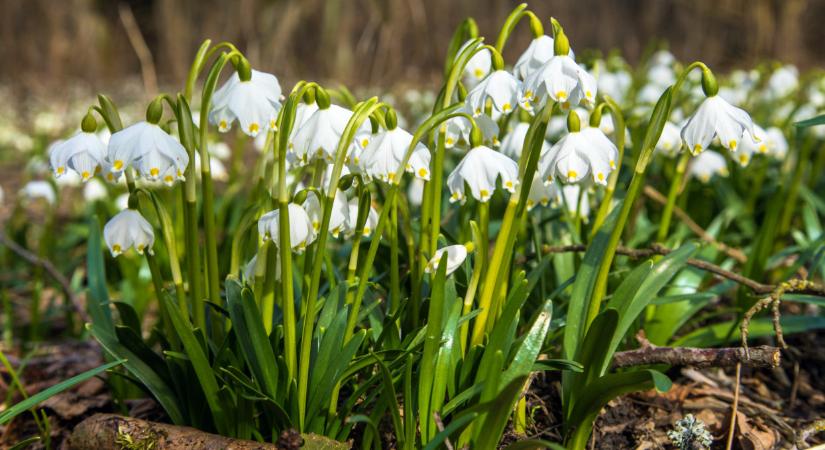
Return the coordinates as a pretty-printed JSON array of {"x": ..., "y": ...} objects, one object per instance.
[{"x": 49, "y": 46}]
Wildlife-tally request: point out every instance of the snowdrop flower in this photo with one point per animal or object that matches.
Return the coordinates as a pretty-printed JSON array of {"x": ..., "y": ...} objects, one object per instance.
[
  {"x": 253, "y": 102},
  {"x": 560, "y": 79},
  {"x": 752, "y": 144},
  {"x": 318, "y": 136},
  {"x": 480, "y": 168},
  {"x": 128, "y": 229},
  {"x": 477, "y": 67},
  {"x": 301, "y": 233},
  {"x": 500, "y": 87},
  {"x": 670, "y": 141},
  {"x": 83, "y": 153},
  {"x": 706, "y": 165},
  {"x": 415, "y": 192},
  {"x": 220, "y": 150},
  {"x": 369, "y": 225},
  {"x": 614, "y": 84},
  {"x": 715, "y": 117},
  {"x": 783, "y": 82},
  {"x": 776, "y": 142},
  {"x": 537, "y": 54},
  {"x": 339, "y": 216},
  {"x": 34, "y": 190},
  {"x": 513, "y": 142},
  {"x": 382, "y": 157},
  {"x": 569, "y": 195},
  {"x": 458, "y": 130},
  {"x": 155, "y": 154},
  {"x": 579, "y": 153},
  {"x": 540, "y": 193},
  {"x": 456, "y": 254},
  {"x": 95, "y": 190}
]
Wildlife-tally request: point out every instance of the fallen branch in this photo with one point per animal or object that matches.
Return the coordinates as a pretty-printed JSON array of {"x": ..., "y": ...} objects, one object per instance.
[
  {"x": 35, "y": 260},
  {"x": 110, "y": 431},
  {"x": 734, "y": 253},
  {"x": 762, "y": 356}
]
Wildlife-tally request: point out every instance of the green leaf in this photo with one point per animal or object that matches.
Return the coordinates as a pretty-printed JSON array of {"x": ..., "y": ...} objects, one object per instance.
[
  {"x": 530, "y": 347},
  {"x": 25, "y": 443},
  {"x": 533, "y": 444},
  {"x": 249, "y": 328},
  {"x": 593, "y": 354},
  {"x": 719, "y": 333},
  {"x": 98, "y": 303},
  {"x": 45, "y": 394},
  {"x": 128, "y": 316},
  {"x": 818, "y": 120}
]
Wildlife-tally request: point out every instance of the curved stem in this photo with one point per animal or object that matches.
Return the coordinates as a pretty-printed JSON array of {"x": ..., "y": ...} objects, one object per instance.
[{"x": 675, "y": 187}]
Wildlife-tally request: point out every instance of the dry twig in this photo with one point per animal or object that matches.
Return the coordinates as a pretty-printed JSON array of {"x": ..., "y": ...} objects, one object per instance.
[{"x": 762, "y": 356}]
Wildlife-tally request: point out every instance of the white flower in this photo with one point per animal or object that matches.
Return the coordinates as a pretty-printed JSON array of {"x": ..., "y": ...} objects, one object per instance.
[
  {"x": 538, "y": 52},
  {"x": 670, "y": 141},
  {"x": 715, "y": 117},
  {"x": 318, "y": 136},
  {"x": 477, "y": 67},
  {"x": 777, "y": 144},
  {"x": 479, "y": 169},
  {"x": 122, "y": 201},
  {"x": 578, "y": 154},
  {"x": 220, "y": 150},
  {"x": 382, "y": 157},
  {"x": 458, "y": 129},
  {"x": 456, "y": 254},
  {"x": 752, "y": 144},
  {"x": 83, "y": 153},
  {"x": 706, "y": 165},
  {"x": 540, "y": 193},
  {"x": 615, "y": 84},
  {"x": 513, "y": 142},
  {"x": 560, "y": 79},
  {"x": 34, "y": 190},
  {"x": 415, "y": 192},
  {"x": 216, "y": 168},
  {"x": 369, "y": 225},
  {"x": 500, "y": 87},
  {"x": 95, "y": 190},
  {"x": 155, "y": 154},
  {"x": 339, "y": 216},
  {"x": 301, "y": 233},
  {"x": 569, "y": 196},
  {"x": 783, "y": 82},
  {"x": 253, "y": 103},
  {"x": 128, "y": 229}
]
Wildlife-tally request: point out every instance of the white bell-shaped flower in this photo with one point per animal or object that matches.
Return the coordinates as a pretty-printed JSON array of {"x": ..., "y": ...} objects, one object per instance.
[
  {"x": 369, "y": 225},
  {"x": 382, "y": 157},
  {"x": 95, "y": 190},
  {"x": 479, "y": 169},
  {"x": 540, "y": 193},
  {"x": 513, "y": 143},
  {"x": 536, "y": 55},
  {"x": 670, "y": 141},
  {"x": 128, "y": 229},
  {"x": 715, "y": 117},
  {"x": 318, "y": 136},
  {"x": 155, "y": 154},
  {"x": 500, "y": 87},
  {"x": 339, "y": 216},
  {"x": 561, "y": 80},
  {"x": 751, "y": 145},
  {"x": 477, "y": 67},
  {"x": 579, "y": 153},
  {"x": 777, "y": 143},
  {"x": 458, "y": 130},
  {"x": 456, "y": 254},
  {"x": 301, "y": 233},
  {"x": 253, "y": 103},
  {"x": 707, "y": 164},
  {"x": 37, "y": 189},
  {"x": 83, "y": 153}
]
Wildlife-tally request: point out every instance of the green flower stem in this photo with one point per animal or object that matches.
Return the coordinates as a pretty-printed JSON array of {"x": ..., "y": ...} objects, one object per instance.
[
  {"x": 513, "y": 19},
  {"x": 484, "y": 230},
  {"x": 472, "y": 288},
  {"x": 613, "y": 178},
  {"x": 395, "y": 288},
  {"x": 673, "y": 193}
]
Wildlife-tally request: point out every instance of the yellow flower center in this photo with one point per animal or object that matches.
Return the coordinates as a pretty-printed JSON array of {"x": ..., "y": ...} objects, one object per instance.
[
  {"x": 116, "y": 248},
  {"x": 600, "y": 176},
  {"x": 732, "y": 144},
  {"x": 254, "y": 127},
  {"x": 154, "y": 171},
  {"x": 763, "y": 148},
  {"x": 168, "y": 179},
  {"x": 571, "y": 174},
  {"x": 422, "y": 172},
  {"x": 506, "y": 107},
  {"x": 697, "y": 148},
  {"x": 118, "y": 165},
  {"x": 449, "y": 141},
  {"x": 484, "y": 193},
  {"x": 61, "y": 170},
  {"x": 222, "y": 125},
  {"x": 508, "y": 184},
  {"x": 478, "y": 73},
  {"x": 85, "y": 175},
  {"x": 561, "y": 95},
  {"x": 528, "y": 94},
  {"x": 743, "y": 158},
  {"x": 365, "y": 142}
]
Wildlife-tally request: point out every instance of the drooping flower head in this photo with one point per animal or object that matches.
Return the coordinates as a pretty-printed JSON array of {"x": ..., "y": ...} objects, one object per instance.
[
  {"x": 477, "y": 67},
  {"x": 479, "y": 169},
  {"x": 500, "y": 88},
  {"x": 145, "y": 146},
  {"x": 250, "y": 97},
  {"x": 383, "y": 155},
  {"x": 539, "y": 52},
  {"x": 708, "y": 164},
  {"x": 320, "y": 133},
  {"x": 82, "y": 153},
  {"x": 582, "y": 152},
  {"x": 128, "y": 229},
  {"x": 339, "y": 216},
  {"x": 456, "y": 254},
  {"x": 301, "y": 233}
]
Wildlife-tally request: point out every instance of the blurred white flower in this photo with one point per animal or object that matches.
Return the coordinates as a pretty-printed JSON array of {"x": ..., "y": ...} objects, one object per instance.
[
  {"x": 783, "y": 82},
  {"x": 415, "y": 192},
  {"x": 578, "y": 154},
  {"x": 670, "y": 141},
  {"x": 95, "y": 190},
  {"x": 216, "y": 168},
  {"x": 614, "y": 84},
  {"x": 540, "y": 193},
  {"x": 456, "y": 254},
  {"x": 83, "y": 153},
  {"x": 221, "y": 149},
  {"x": 253, "y": 103},
  {"x": 382, "y": 157},
  {"x": 479, "y": 169},
  {"x": 339, "y": 216},
  {"x": 777, "y": 143},
  {"x": 716, "y": 117},
  {"x": 574, "y": 197},
  {"x": 301, "y": 233},
  {"x": 513, "y": 142},
  {"x": 122, "y": 201},
  {"x": 752, "y": 144},
  {"x": 34, "y": 190},
  {"x": 707, "y": 164},
  {"x": 155, "y": 154},
  {"x": 128, "y": 229}
]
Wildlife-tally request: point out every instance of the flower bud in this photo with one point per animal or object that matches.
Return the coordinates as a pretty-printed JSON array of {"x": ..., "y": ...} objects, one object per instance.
[
  {"x": 244, "y": 69},
  {"x": 476, "y": 137},
  {"x": 535, "y": 26},
  {"x": 345, "y": 182},
  {"x": 498, "y": 61},
  {"x": 596, "y": 117},
  {"x": 309, "y": 96},
  {"x": 391, "y": 119},
  {"x": 155, "y": 111},
  {"x": 561, "y": 45},
  {"x": 322, "y": 98},
  {"x": 88, "y": 124},
  {"x": 300, "y": 196},
  {"x": 573, "y": 122},
  {"x": 462, "y": 92},
  {"x": 709, "y": 84}
]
